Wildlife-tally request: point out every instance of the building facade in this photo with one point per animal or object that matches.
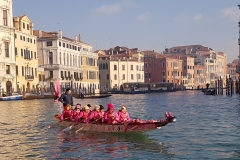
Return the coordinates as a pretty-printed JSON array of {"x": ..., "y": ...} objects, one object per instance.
[
  {"x": 162, "y": 68},
  {"x": 7, "y": 53},
  {"x": 71, "y": 60},
  {"x": 26, "y": 55},
  {"x": 118, "y": 66},
  {"x": 199, "y": 76}
]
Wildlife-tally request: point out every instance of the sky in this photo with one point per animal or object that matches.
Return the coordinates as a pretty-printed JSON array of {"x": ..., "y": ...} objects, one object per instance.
[{"x": 142, "y": 24}]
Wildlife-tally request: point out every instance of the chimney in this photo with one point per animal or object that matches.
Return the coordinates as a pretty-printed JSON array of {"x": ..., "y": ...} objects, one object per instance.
[
  {"x": 60, "y": 33},
  {"x": 76, "y": 38},
  {"x": 40, "y": 33},
  {"x": 79, "y": 37}
]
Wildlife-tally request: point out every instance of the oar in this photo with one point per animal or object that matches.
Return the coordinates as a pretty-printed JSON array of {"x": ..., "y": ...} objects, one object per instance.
[
  {"x": 83, "y": 126},
  {"x": 70, "y": 127},
  {"x": 56, "y": 123}
]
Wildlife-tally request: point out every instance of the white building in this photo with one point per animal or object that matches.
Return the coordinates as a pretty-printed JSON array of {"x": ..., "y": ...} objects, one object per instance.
[
  {"x": 116, "y": 69},
  {"x": 67, "y": 59},
  {"x": 7, "y": 52}
]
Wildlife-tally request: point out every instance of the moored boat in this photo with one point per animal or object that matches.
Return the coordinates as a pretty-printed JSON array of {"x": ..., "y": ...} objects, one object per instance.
[
  {"x": 13, "y": 97},
  {"x": 209, "y": 92},
  {"x": 131, "y": 126}
]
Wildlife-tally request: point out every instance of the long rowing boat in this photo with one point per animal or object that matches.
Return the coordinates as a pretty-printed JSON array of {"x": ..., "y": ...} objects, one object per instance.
[{"x": 131, "y": 126}]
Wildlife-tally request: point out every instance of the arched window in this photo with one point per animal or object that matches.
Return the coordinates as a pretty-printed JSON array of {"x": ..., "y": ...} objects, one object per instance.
[
  {"x": 106, "y": 66},
  {"x": 115, "y": 76}
]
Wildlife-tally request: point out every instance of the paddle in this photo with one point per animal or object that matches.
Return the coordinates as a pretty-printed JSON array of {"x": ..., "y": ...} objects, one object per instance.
[
  {"x": 83, "y": 126},
  {"x": 56, "y": 123},
  {"x": 70, "y": 127}
]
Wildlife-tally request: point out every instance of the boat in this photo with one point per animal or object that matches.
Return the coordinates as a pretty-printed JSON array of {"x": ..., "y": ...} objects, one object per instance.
[
  {"x": 94, "y": 96},
  {"x": 134, "y": 90},
  {"x": 209, "y": 92},
  {"x": 131, "y": 126},
  {"x": 13, "y": 97}
]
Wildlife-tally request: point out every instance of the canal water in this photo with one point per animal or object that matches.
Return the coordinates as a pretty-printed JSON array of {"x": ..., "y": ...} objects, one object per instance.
[{"x": 207, "y": 127}]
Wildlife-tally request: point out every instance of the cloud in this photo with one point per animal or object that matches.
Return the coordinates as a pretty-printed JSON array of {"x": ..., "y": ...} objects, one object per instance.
[
  {"x": 182, "y": 18},
  {"x": 112, "y": 8},
  {"x": 231, "y": 13},
  {"x": 198, "y": 16},
  {"x": 143, "y": 17}
]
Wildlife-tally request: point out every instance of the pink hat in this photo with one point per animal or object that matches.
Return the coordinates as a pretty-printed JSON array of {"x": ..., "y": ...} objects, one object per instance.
[{"x": 110, "y": 106}]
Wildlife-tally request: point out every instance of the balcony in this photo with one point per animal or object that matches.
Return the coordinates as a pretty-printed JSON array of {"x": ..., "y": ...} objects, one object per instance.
[
  {"x": 175, "y": 77},
  {"x": 29, "y": 77},
  {"x": 175, "y": 67}
]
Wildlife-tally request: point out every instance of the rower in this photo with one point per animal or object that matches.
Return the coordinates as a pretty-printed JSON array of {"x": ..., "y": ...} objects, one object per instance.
[
  {"x": 123, "y": 114},
  {"x": 110, "y": 116},
  {"x": 67, "y": 112},
  {"x": 84, "y": 115}
]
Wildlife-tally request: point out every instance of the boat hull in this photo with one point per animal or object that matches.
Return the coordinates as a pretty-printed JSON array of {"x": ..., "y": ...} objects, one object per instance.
[
  {"x": 11, "y": 98},
  {"x": 117, "y": 128}
]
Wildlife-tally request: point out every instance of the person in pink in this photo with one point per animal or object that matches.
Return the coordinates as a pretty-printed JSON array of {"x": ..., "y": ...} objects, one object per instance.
[
  {"x": 67, "y": 113},
  {"x": 84, "y": 115},
  {"x": 123, "y": 115},
  {"x": 76, "y": 112},
  {"x": 96, "y": 116},
  {"x": 110, "y": 116}
]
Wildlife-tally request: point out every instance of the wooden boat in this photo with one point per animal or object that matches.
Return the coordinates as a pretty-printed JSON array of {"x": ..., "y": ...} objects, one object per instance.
[
  {"x": 13, "y": 97},
  {"x": 94, "y": 96},
  {"x": 132, "y": 126},
  {"x": 134, "y": 90}
]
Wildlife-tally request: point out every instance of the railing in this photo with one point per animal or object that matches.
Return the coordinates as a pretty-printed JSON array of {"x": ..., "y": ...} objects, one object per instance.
[
  {"x": 176, "y": 77},
  {"x": 60, "y": 66},
  {"x": 29, "y": 77},
  {"x": 175, "y": 67}
]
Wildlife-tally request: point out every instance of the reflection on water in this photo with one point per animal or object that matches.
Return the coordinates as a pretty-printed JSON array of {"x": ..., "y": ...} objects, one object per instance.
[{"x": 207, "y": 127}]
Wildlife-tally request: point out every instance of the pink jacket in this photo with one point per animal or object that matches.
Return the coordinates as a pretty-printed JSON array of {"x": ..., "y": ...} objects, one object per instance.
[
  {"x": 74, "y": 115},
  {"x": 84, "y": 115},
  {"x": 108, "y": 117},
  {"x": 66, "y": 114},
  {"x": 123, "y": 116},
  {"x": 96, "y": 116}
]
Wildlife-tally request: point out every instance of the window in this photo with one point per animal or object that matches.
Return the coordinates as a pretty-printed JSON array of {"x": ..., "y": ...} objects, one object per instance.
[
  {"x": 35, "y": 55},
  {"x": 34, "y": 41},
  {"x": 23, "y": 25},
  {"x": 16, "y": 70},
  {"x": 123, "y": 77},
  {"x": 22, "y": 71},
  {"x": 22, "y": 52},
  {"x": 107, "y": 76},
  {"x": 21, "y": 37},
  {"x": 36, "y": 72},
  {"x": 15, "y": 36},
  {"x": 67, "y": 45},
  {"x": 106, "y": 66},
  {"x": 6, "y": 49},
  {"x": 50, "y": 58},
  {"x": 115, "y": 77},
  {"x": 16, "y": 51},
  {"x": 7, "y": 69},
  {"x": 60, "y": 44},
  {"x": 115, "y": 67},
  {"x": 163, "y": 64},
  {"x": 51, "y": 74},
  {"x": 123, "y": 67},
  {"x": 49, "y": 43},
  {"x": 27, "y": 26},
  {"x": 78, "y": 48},
  {"x": 131, "y": 67},
  {"x": 31, "y": 55},
  {"x": 131, "y": 76},
  {"x": 5, "y": 22},
  {"x": 63, "y": 44}
]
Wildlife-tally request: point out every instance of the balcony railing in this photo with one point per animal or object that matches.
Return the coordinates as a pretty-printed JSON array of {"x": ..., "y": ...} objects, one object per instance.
[
  {"x": 176, "y": 77},
  {"x": 29, "y": 77}
]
